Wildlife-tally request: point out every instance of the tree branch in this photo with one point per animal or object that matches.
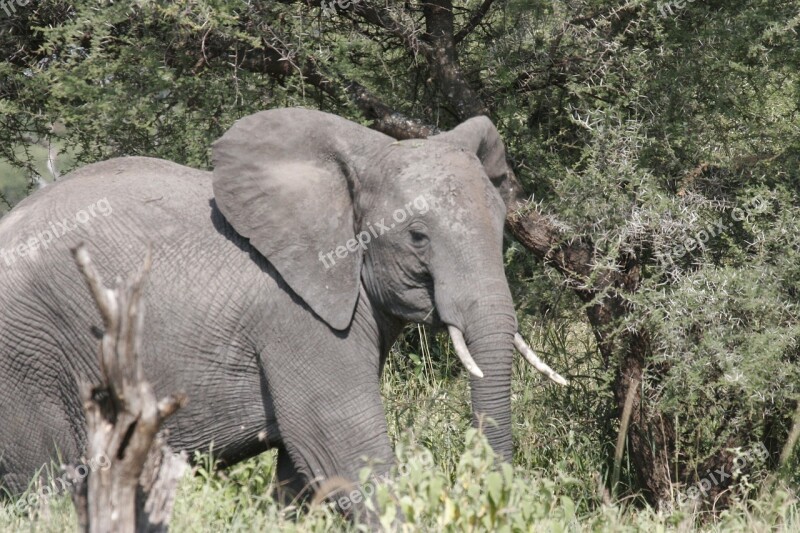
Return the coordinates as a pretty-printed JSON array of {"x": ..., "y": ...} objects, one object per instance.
[
  {"x": 385, "y": 119},
  {"x": 277, "y": 62},
  {"x": 382, "y": 18},
  {"x": 474, "y": 20}
]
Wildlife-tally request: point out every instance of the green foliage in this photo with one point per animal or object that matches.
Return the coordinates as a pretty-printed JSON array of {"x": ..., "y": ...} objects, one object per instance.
[
  {"x": 446, "y": 478},
  {"x": 672, "y": 140}
]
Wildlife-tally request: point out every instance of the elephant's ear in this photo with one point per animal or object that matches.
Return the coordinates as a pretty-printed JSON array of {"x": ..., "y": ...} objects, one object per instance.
[
  {"x": 286, "y": 179},
  {"x": 480, "y": 136}
]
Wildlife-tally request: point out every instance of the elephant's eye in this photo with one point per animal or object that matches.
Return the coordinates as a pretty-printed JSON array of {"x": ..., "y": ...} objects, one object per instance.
[{"x": 418, "y": 238}]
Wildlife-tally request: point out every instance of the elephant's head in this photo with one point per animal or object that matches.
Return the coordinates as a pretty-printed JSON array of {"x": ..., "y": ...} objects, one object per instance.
[{"x": 334, "y": 205}]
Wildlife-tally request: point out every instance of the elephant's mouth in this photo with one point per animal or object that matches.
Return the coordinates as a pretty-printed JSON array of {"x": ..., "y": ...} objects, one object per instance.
[{"x": 433, "y": 320}]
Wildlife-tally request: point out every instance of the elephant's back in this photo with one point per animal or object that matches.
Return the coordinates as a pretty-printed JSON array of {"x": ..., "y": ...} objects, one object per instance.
[
  {"x": 119, "y": 208},
  {"x": 122, "y": 188}
]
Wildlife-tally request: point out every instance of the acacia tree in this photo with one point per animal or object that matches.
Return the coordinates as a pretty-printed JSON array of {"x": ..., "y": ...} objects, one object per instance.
[{"x": 636, "y": 133}]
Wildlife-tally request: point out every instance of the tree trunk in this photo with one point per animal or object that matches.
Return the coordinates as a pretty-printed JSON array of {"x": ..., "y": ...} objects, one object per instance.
[
  {"x": 136, "y": 492},
  {"x": 651, "y": 438}
]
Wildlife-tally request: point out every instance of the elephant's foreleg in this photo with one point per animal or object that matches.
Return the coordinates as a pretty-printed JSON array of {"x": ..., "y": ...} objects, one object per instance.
[
  {"x": 291, "y": 488},
  {"x": 332, "y": 424}
]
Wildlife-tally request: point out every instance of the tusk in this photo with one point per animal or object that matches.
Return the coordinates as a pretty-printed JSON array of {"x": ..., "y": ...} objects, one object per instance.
[
  {"x": 529, "y": 355},
  {"x": 463, "y": 352}
]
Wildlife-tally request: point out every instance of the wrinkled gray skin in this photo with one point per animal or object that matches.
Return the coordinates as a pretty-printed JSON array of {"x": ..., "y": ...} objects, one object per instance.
[{"x": 241, "y": 312}]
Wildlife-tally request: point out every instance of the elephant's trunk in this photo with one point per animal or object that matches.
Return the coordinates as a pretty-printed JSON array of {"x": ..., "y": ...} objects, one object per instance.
[
  {"x": 491, "y": 394},
  {"x": 489, "y": 325}
]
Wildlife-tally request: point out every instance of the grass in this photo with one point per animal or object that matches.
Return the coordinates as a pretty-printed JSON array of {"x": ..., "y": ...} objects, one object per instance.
[{"x": 446, "y": 480}]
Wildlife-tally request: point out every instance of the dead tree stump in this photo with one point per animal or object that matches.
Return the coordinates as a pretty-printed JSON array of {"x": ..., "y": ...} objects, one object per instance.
[{"x": 123, "y": 416}]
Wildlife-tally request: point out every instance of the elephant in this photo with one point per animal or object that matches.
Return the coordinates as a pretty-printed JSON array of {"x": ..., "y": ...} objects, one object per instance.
[{"x": 279, "y": 282}]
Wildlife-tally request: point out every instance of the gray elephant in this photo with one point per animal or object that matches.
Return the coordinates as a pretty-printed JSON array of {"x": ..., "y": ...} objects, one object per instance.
[{"x": 279, "y": 283}]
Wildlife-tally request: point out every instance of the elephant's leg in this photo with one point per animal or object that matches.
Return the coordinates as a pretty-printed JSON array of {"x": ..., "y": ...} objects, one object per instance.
[
  {"x": 292, "y": 487},
  {"x": 336, "y": 472},
  {"x": 331, "y": 417}
]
